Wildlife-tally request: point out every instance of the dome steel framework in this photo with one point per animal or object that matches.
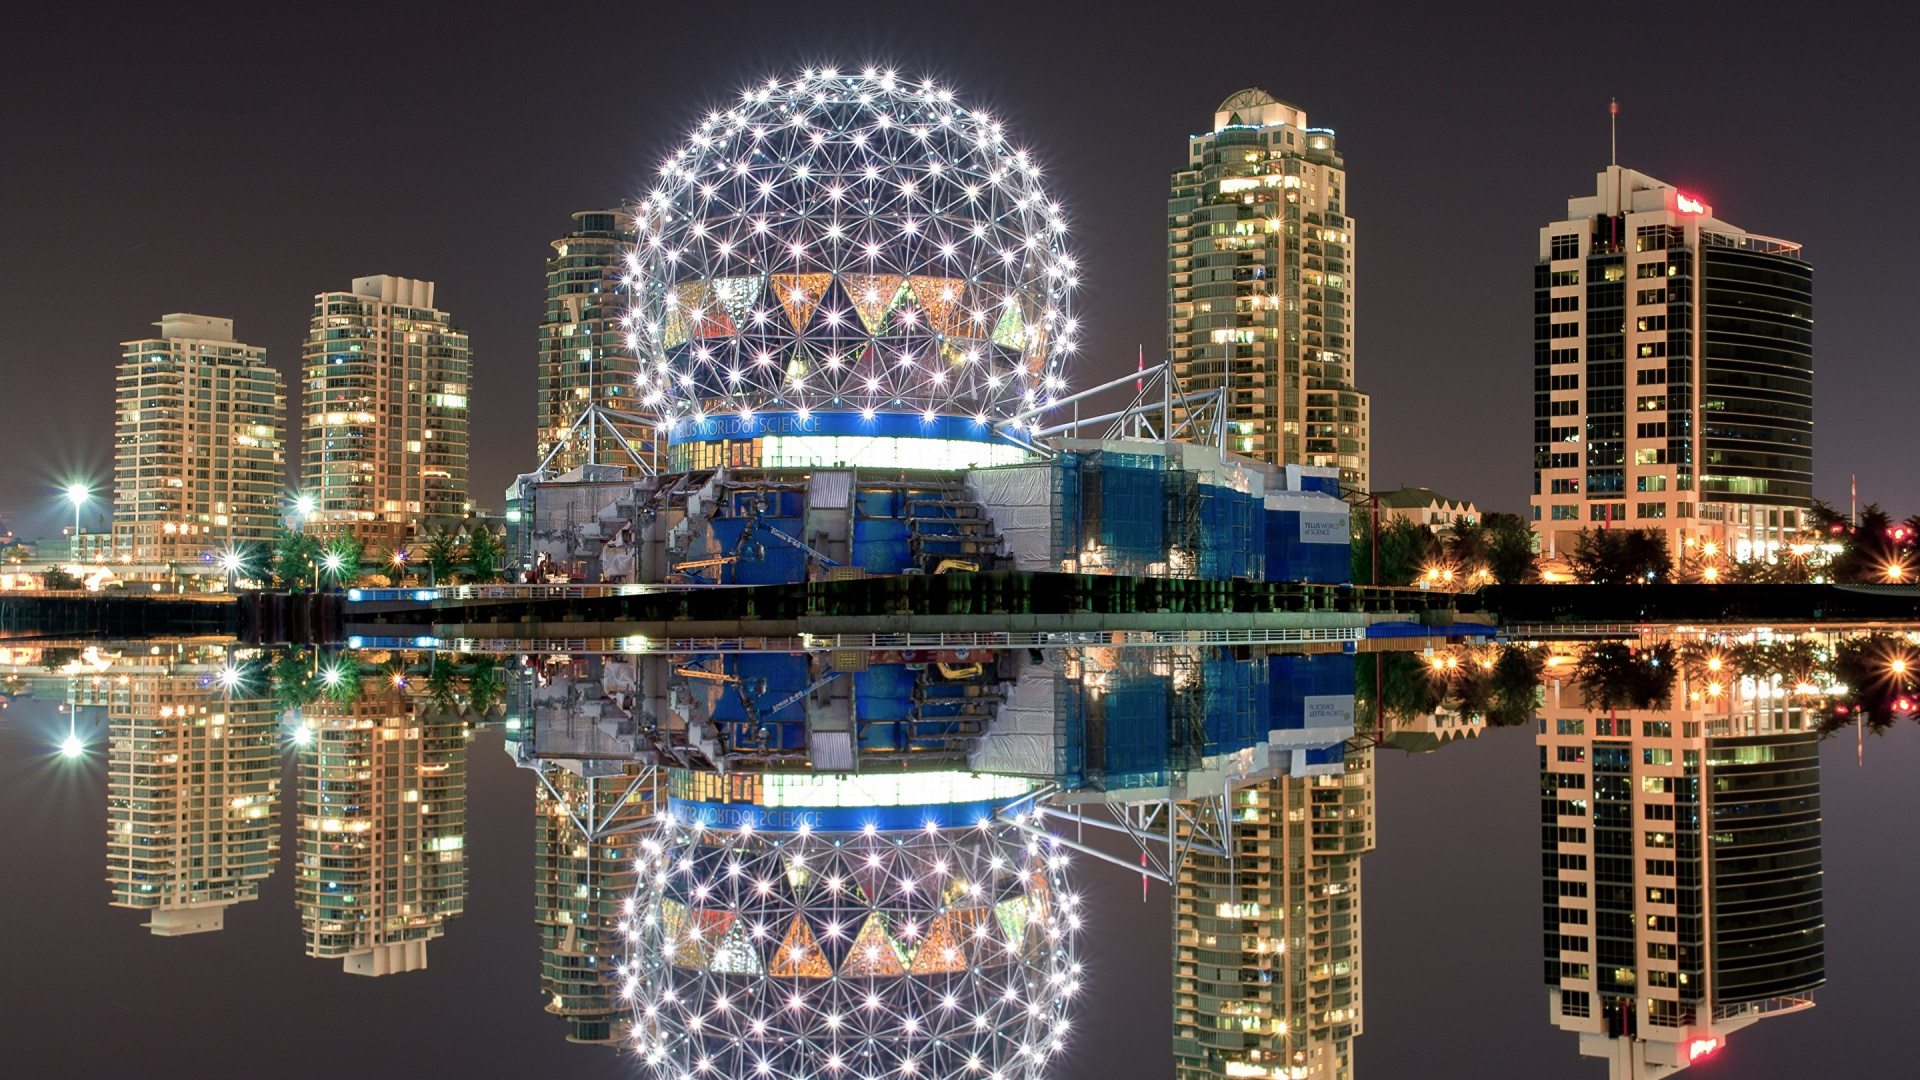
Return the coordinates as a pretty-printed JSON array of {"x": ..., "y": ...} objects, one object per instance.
[
  {"x": 850, "y": 242},
  {"x": 814, "y": 955}
]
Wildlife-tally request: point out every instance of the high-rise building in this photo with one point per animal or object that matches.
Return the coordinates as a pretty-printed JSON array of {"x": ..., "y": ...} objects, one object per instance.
[
  {"x": 200, "y": 431},
  {"x": 589, "y": 820},
  {"x": 1260, "y": 286},
  {"x": 384, "y": 406},
  {"x": 1681, "y": 856},
  {"x": 382, "y": 831},
  {"x": 193, "y": 787},
  {"x": 1267, "y": 948},
  {"x": 1672, "y": 372},
  {"x": 585, "y": 358}
]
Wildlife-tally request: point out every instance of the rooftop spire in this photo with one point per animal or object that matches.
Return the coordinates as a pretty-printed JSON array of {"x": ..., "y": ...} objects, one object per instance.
[{"x": 1613, "y": 120}]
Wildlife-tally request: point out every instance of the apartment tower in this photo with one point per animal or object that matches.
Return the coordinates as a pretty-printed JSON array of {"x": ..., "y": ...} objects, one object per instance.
[
  {"x": 1682, "y": 873},
  {"x": 584, "y": 356},
  {"x": 193, "y": 787},
  {"x": 200, "y": 427},
  {"x": 1260, "y": 287},
  {"x": 382, "y": 831},
  {"x": 589, "y": 820},
  {"x": 1267, "y": 948},
  {"x": 1672, "y": 373},
  {"x": 384, "y": 401}
]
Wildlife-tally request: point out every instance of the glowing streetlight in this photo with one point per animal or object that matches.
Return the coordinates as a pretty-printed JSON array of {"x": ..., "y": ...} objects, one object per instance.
[
  {"x": 331, "y": 562},
  {"x": 79, "y": 495},
  {"x": 71, "y": 746},
  {"x": 231, "y": 562}
]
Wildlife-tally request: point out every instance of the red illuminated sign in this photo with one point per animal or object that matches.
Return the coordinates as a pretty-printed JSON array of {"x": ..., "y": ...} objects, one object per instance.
[
  {"x": 1700, "y": 1048},
  {"x": 1687, "y": 204}
]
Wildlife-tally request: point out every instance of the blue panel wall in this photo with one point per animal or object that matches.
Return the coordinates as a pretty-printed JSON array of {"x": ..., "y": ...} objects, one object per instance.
[
  {"x": 1292, "y": 679},
  {"x": 1295, "y": 553}
]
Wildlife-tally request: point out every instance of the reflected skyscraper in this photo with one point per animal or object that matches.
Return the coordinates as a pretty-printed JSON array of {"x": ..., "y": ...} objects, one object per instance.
[
  {"x": 1681, "y": 856},
  {"x": 193, "y": 782},
  {"x": 1267, "y": 945},
  {"x": 588, "y": 818},
  {"x": 382, "y": 829}
]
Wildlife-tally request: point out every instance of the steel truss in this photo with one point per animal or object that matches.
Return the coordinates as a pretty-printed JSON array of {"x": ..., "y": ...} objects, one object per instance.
[{"x": 596, "y": 826}]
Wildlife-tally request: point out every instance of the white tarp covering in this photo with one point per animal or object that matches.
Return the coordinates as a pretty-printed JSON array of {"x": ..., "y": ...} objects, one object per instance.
[
  {"x": 1019, "y": 499},
  {"x": 1020, "y": 739}
]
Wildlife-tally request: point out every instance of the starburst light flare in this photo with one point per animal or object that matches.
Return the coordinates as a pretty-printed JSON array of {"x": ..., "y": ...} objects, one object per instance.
[
  {"x": 850, "y": 242},
  {"x": 896, "y": 941}
]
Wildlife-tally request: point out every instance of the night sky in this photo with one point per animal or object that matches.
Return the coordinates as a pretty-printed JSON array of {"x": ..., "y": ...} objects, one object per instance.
[{"x": 233, "y": 163}]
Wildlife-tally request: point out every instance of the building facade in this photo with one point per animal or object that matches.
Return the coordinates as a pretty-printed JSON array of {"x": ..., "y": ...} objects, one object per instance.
[
  {"x": 1267, "y": 949},
  {"x": 585, "y": 356},
  {"x": 1424, "y": 506},
  {"x": 1681, "y": 856},
  {"x": 200, "y": 427},
  {"x": 193, "y": 787},
  {"x": 382, "y": 830},
  {"x": 1260, "y": 286},
  {"x": 1672, "y": 372},
  {"x": 385, "y": 388}
]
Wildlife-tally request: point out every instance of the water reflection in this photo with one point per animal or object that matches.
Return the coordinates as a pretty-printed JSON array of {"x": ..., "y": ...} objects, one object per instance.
[
  {"x": 1682, "y": 871},
  {"x": 1681, "y": 867},
  {"x": 193, "y": 808},
  {"x": 382, "y": 825},
  {"x": 1267, "y": 940}
]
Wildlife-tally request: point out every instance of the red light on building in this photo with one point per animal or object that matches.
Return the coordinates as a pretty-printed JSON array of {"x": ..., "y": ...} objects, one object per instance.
[
  {"x": 1687, "y": 204},
  {"x": 1900, "y": 534},
  {"x": 1700, "y": 1048}
]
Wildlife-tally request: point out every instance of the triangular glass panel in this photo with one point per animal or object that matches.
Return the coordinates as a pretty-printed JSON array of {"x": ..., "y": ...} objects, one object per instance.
[
  {"x": 874, "y": 952},
  {"x": 800, "y": 956}
]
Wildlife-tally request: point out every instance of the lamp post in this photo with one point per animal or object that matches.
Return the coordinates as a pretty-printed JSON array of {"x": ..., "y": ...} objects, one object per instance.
[
  {"x": 230, "y": 561},
  {"x": 78, "y": 493}
]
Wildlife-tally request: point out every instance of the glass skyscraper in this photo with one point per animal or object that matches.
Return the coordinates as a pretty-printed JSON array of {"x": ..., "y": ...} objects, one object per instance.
[
  {"x": 585, "y": 358},
  {"x": 1260, "y": 286},
  {"x": 1682, "y": 873},
  {"x": 1672, "y": 372}
]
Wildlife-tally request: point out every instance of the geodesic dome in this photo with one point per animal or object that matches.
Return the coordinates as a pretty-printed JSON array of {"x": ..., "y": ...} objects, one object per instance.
[
  {"x": 881, "y": 940},
  {"x": 854, "y": 242}
]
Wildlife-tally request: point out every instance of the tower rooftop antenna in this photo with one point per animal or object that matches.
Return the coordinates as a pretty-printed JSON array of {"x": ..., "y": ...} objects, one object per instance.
[{"x": 1613, "y": 119}]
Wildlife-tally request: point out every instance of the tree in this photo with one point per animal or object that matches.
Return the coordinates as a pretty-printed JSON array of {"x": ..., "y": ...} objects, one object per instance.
[
  {"x": 484, "y": 684},
  {"x": 293, "y": 681},
  {"x": 1621, "y": 556},
  {"x": 1516, "y": 685},
  {"x": 58, "y": 579},
  {"x": 443, "y": 556},
  {"x": 1465, "y": 545},
  {"x": 483, "y": 554},
  {"x": 346, "y": 550},
  {"x": 1615, "y": 675},
  {"x": 1406, "y": 549},
  {"x": 393, "y": 563},
  {"x": 1510, "y": 555},
  {"x": 295, "y": 555}
]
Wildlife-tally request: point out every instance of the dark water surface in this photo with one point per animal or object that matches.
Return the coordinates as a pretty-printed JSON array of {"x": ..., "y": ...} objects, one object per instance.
[{"x": 1451, "y": 931}]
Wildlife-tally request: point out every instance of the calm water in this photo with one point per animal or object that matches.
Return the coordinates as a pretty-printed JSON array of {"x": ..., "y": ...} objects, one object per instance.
[{"x": 1450, "y": 917}]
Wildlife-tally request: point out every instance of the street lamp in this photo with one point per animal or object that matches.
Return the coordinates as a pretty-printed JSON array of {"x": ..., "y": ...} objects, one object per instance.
[
  {"x": 230, "y": 561},
  {"x": 79, "y": 494},
  {"x": 332, "y": 561}
]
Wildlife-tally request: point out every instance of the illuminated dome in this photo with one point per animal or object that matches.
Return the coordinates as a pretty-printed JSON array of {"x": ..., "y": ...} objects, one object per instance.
[
  {"x": 853, "y": 243},
  {"x": 850, "y": 926}
]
